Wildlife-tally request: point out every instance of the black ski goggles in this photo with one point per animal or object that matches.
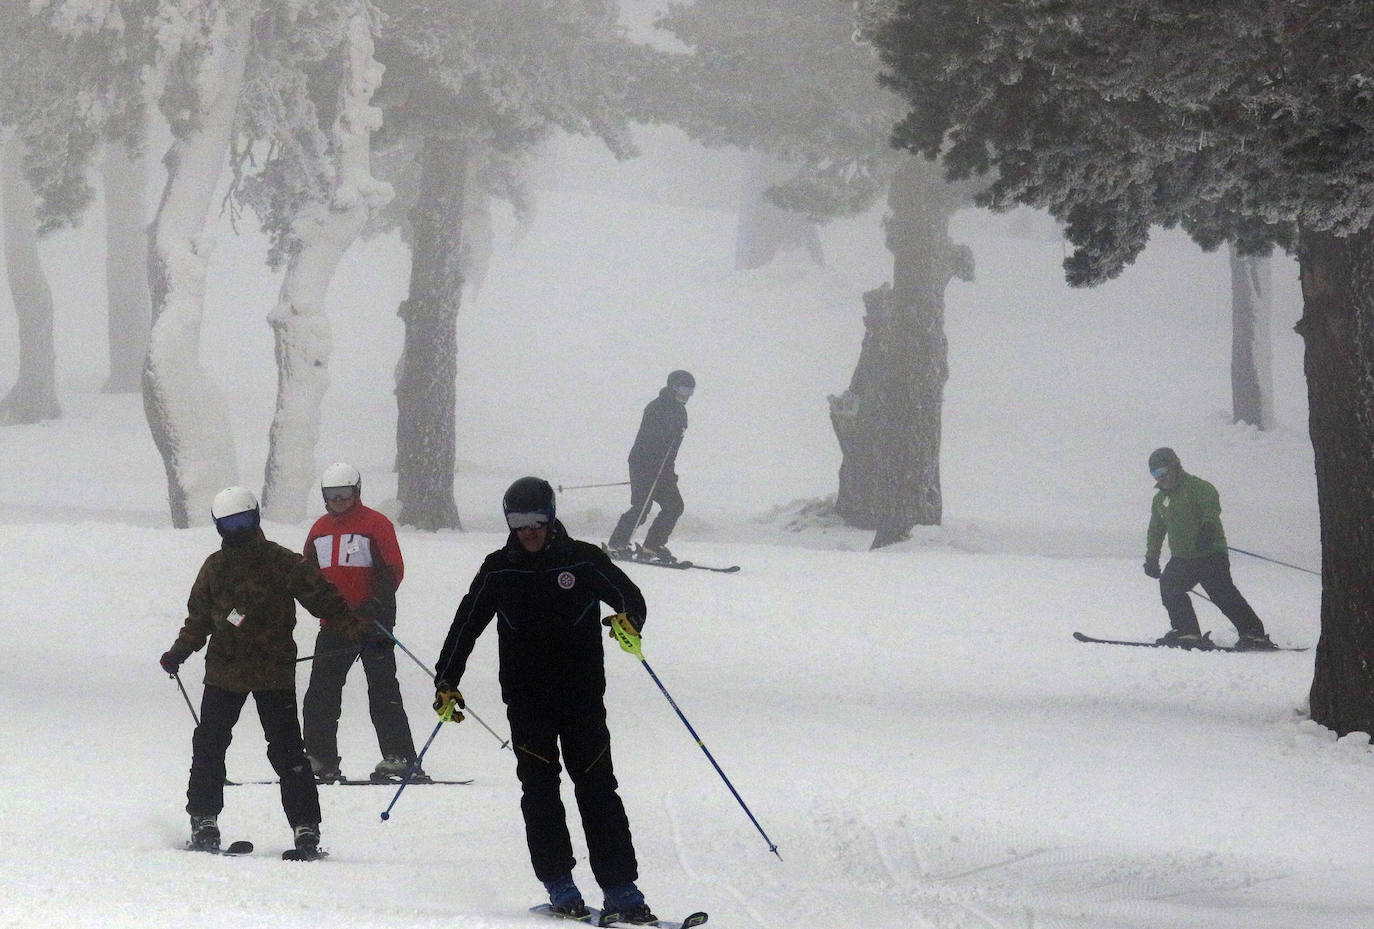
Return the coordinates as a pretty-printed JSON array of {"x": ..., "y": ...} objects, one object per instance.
[{"x": 338, "y": 494}]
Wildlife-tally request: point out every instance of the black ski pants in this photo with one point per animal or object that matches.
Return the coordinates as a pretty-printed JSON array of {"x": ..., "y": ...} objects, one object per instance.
[
  {"x": 539, "y": 727},
  {"x": 219, "y": 711},
  {"x": 669, "y": 500},
  {"x": 1213, "y": 572},
  {"x": 323, "y": 703}
]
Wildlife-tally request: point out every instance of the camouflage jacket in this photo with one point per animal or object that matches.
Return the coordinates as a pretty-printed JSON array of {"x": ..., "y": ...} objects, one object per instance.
[{"x": 244, "y": 602}]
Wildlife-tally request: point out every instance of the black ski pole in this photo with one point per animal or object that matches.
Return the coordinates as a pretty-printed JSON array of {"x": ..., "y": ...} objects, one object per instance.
[
  {"x": 505, "y": 743},
  {"x": 410, "y": 772},
  {"x": 563, "y": 487},
  {"x": 1274, "y": 560},
  {"x": 629, "y": 641},
  {"x": 187, "y": 697},
  {"x": 328, "y": 654}
]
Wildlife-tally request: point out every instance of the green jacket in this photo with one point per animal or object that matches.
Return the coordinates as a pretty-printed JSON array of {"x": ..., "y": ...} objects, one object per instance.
[
  {"x": 244, "y": 602},
  {"x": 1179, "y": 514}
]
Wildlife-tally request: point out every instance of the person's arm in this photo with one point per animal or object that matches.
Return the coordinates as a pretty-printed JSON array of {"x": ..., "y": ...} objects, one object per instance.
[{"x": 614, "y": 588}]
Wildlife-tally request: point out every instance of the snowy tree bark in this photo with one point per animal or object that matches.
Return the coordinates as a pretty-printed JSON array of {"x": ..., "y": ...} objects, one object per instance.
[
  {"x": 1337, "y": 327},
  {"x": 33, "y": 398},
  {"x": 426, "y": 387},
  {"x": 325, "y": 231},
  {"x": 184, "y": 408},
  {"x": 125, "y": 178},
  {"x": 888, "y": 421},
  {"x": 1252, "y": 382},
  {"x": 765, "y": 228}
]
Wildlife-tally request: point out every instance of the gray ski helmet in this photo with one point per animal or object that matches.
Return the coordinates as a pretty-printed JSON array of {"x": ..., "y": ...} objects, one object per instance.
[
  {"x": 528, "y": 496},
  {"x": 681, "y": 378},
  {"x": 1163, "y": 458}
]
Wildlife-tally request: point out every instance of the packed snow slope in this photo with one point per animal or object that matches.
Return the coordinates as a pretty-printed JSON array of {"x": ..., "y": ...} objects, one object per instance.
[{"x": 914, "y": 728}]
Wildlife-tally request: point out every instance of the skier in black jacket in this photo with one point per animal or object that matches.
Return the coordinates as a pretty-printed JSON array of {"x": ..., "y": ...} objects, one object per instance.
[
  {"x": 545, "y": 590},
  {"x": 652, "y": 475}
]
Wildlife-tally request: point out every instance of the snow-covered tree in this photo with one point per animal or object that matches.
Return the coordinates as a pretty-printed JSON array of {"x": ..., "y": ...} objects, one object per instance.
[
  {"x": 789, "y": 81},
  {"x": 1244, "y": 122},
  {"x": 1252, "y": 304},
  {"x": 473, "y": 86}
]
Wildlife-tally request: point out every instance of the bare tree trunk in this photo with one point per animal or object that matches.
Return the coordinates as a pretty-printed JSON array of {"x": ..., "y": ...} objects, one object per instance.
[
  {"x": 298, "y": 322},
  {"x": 1252, "y": 382},
  {"x": 888, "y": 422},
  {"x": 33, "y": 398},
  {"x": 765, "y": 228},
  {"x": 426, "y": 388},
  {"x": 185, "y": 410},
  {"x": 1338, "y": 328},
  {"x": 129, "y": 309}
]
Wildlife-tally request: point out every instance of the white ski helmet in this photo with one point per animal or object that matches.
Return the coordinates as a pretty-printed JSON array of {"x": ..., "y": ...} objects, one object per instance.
[
  {"x": 341, "y": 474},
  {"x": 232, "y": 500}
]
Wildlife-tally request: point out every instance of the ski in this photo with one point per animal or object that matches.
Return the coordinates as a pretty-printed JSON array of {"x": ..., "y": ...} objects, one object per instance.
[
  {"x": 638, "y": 558},
  {"x": 304, "y": 854},
  {"x": 358, "y": 782},
  {"x": 232, "y": 850},
  {"x": 596, "y": 917},
  {"x": 1206, "y": 645}
]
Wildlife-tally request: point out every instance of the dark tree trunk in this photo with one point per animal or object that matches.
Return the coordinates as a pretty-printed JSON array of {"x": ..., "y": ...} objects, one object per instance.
[
  {"x": 1338, "y": 329},
  {"x": 888, "y": 421},
  {"x": 425, "y": 387},
  {"x": 33, "y": 398},
  {"x": 1252, "y": 384}
]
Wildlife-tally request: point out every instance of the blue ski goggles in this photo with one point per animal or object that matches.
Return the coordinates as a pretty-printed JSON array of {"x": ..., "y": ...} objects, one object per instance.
[
  {"x": 527, "y": 520},
  {"x": 1158, "y": 473},
  {"x": 228, "y": 525}
]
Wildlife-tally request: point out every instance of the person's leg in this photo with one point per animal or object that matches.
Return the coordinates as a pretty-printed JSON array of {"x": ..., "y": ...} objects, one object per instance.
[
  {"x": 669, "y": 499},
  {"x": 635, "y": 516},
  {"x": 535, "y": 740},
  {"x": 1215, "y": 578},
  {"x": 323, "y": 702},
  {"x": 586, "y": 745},
  {"x": 384, "y": 704},
  {"x": 300, "y": 798},
  {"x": 1179, "y": 576},
  {"x": 219, "y": 711}
]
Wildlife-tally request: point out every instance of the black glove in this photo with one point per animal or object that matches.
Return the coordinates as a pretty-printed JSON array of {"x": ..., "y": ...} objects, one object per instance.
[
  {"x": 171, "y": 660},
  {"x": 1206, "y": 535},
  {"x": 448, "y": 699},
  {"x": 1152, "y": 567}
]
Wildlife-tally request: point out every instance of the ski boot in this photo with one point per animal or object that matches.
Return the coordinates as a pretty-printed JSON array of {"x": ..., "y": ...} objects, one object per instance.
[
  {"x": 204, "y": 834},
  {"x": 624, "y": 903},
  {"x": 565, "y": 900}
]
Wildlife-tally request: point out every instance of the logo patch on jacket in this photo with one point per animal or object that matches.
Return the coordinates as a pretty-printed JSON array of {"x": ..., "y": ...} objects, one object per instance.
[{"x": 566, "y": 580}]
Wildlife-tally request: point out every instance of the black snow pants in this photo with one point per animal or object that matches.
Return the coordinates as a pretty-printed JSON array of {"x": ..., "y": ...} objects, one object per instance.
[
  {"x": 323, "y": 703},
  {"x": 669, "y": 500},
  {"x": 1213, "y": 572},
  {"x": 219, "y": 711},
  {"x": 539, "y": 726}
]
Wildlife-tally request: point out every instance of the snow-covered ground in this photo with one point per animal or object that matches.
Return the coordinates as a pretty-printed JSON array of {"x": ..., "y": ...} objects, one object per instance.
[{"x": 915, "y": 728}]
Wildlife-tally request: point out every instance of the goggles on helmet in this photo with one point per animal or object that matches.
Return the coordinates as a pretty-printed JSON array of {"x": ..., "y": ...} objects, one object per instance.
[
  {"x": 527, "y": 520},
  {"x": 338, "y": 494},
  {"x": 1159, "y": 472},
  {"x": 238, "y": 522}
]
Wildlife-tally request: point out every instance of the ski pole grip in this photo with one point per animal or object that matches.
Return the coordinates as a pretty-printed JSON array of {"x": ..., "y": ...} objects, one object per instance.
[{"x": 624, "y": 632}]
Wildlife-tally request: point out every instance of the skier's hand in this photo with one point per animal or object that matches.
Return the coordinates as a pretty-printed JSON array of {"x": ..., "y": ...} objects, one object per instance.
[
  {"x": 448, "y": 700},
  {"x": 352, "y": 628},
  {"x": 625, "y": 631},
  {"x": 171, "y": 660},
  {"x": 1152, "y": 567}
]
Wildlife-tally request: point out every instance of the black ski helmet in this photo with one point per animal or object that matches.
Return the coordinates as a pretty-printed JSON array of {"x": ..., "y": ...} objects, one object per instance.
[
  {"x": 1163, "y": 458},
  {"x": 528, "y": 495},
  {"x": 682, "y": 378}
]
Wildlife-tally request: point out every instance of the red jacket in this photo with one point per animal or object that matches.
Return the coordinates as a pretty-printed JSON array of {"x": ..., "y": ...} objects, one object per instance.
[{"x": 358, "y": 553}]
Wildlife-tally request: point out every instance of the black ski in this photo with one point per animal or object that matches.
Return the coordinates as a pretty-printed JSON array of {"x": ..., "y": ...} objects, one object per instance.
[
  {"x": 596, "y": 917},
  {"x": 232, "y": 850},
  {"x": 357, "y": 782},
  {"x": 639, "y": 558},
  {"x": 1206, "y": 645}
]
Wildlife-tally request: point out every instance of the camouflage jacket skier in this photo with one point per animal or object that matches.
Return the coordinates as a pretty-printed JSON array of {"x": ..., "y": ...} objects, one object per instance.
[{"x": 244, "y": 601}]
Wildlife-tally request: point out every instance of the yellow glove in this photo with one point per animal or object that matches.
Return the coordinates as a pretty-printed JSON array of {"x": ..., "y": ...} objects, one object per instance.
[
  {"x": 625, "y": 632},
  {"x": 447, "y": 701}
]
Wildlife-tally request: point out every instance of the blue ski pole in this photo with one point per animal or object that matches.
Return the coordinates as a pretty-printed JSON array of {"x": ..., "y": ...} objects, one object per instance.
[
  {"x": 625, "y": 634},
  {"x": 410, "y": 772}
]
